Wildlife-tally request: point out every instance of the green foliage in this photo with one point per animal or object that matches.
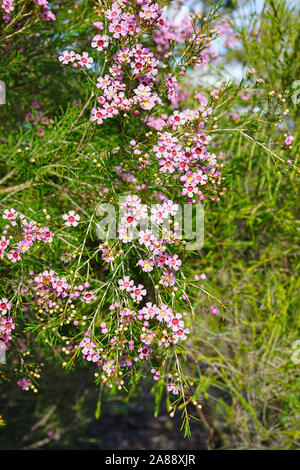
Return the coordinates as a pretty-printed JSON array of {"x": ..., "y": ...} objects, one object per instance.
[{"x": 237, "y": 364}]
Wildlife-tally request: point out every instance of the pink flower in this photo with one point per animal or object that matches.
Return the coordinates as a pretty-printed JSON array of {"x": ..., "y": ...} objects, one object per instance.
[
  {"x": 149, "y": 311},
  {"x": 146, "y": 237},
  {"x": 103, "y": 82},
  {"x": 114, "y": 13},
  {"x": 168, "y": 279},
  {"x": 71, "y": 219},
  {"x": 66, "y": 57},
  {"x": 60, "y": 284},
  {"x": 84, "y": 60},
  {"x": 6, "y": 325},
  {"x": 23, "y": 246},
  {"x": 289, "y": 140},
  {"x": 181, "y": 333},
  {"x": 189, "y": 189},
  {"x": 100, "y": 42},
  {"x": 157, "y": 214},
  {"x": 11, "y": 215},
  {"x": 14, "y": 256},
  {"x": 150, "y": 12},
  {"x": 109, "y": 367},
  {"x": 126, "y": 236},
  {"x": 126, "y": 284},
  {"x": 3, "y": 243},
  {"x": 174, "y": 262},
  {"x": 89, "y": 350},
  {"x": 41, "y": 132},
  {"x": 110, "y": 110},
  {"x": 98, "y": 114},
  {"x": 118, "y": 29},
  {"x": 88, "y": 297},
  {"x": 138, "y": 292},
  {"x": 164, "y": 314},
  {"x": 146, "y": 265},
  {"x": 42, "y": 3},
  {"x": 4, "y": 306},
  {"x": 24, "y": 384},
  {"x": 145, "y": 353},
  {"x": 7, "y": 5},
  {"x": 98, "y": 25},
  {"x": 173, "y": 387},
  {"x": 175, "y": 322},
  {"x": 48, "y": 15}
]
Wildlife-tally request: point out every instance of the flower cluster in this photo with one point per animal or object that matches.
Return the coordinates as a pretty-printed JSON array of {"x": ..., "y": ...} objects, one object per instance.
[
  {"x": 46, "y": 14},
  {"x": 37, "y": 118},
  {"x": 193, "y": 164},
  {"x": 137, "y": 63},
  {"x": 50, "y": 291},
  {"x": 83, "y": 60},
  {"x": 139, "y": 318},
  {"x": 152, "y": 232},
  {"x": 27, "y": 233},
  {"x": 130, "y": 64},
  {"x": 7, "y": 324},
  {"x": 134, "y": 336}
]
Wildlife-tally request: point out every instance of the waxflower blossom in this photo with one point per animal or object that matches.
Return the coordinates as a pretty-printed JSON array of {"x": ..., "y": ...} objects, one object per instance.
[
  {"x": 138, "y": 292},
  {"x": 67, "y": 57},
  {"x": 175, "y": 321},
  {"x": 5, "y": 305},
  {"x": 145, "y": 352},
  {"x": 146, "y": 265},
  {"x": 24, "y": 384},
  {"x": 164, "y": 314},
  {"x": 14, "y": 256},
  {"x": 11, "y": 215},
  {"x": 289, "y": 140},
  {"x": 89, "y": 350},
  {"x": 48, "y": 15},
  {"x": 98, "y": 115},
  {"x": 71, "y": 219},
  {"x": 4, "y": 242},
  {"x": 100, "y": 42},
  {"x": 88, "y": 296},
  {"x": 173, "y": 387},
  {"x": 6, "y": 327},
  {"x": 7, "y": 5},
  {"x": 126, "y": 284},
  {"x": 149, "y": 311},
  {"x": 84, "y": 60},
  {"x": 98, "y": 25}
]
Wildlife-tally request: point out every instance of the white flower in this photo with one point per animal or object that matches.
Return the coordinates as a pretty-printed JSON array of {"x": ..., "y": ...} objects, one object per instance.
[{"x": 71, "y": 218}]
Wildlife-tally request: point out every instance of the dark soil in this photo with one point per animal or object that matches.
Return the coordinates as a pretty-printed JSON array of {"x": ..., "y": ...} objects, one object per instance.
[
  {"x": 140, "y": 431},
  {"x": 61, "y": 416}
]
